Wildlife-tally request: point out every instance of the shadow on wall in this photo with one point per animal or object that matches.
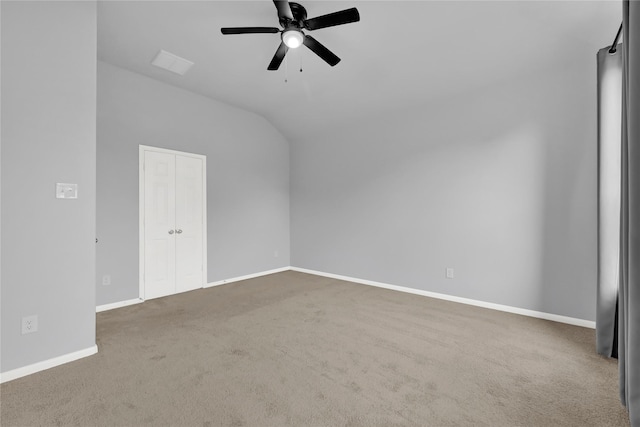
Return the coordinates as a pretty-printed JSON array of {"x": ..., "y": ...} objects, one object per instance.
[{"x": 569, "y": 252}]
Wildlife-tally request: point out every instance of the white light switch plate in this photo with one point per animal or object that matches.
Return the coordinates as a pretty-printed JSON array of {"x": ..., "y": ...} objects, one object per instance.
[{"x": 66, "y": 191}]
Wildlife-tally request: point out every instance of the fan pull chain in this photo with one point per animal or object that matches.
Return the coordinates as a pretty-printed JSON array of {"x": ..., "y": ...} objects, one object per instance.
[
  {"x": 300, "y": 62},
  {"x": 286, "y": 69}
]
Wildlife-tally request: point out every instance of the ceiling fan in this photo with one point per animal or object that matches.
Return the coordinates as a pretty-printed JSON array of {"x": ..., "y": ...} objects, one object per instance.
[{"x": 293, "y": 19}]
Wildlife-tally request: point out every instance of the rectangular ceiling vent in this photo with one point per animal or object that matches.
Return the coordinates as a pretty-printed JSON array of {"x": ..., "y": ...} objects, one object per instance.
[{"x": 171, "y": 62}]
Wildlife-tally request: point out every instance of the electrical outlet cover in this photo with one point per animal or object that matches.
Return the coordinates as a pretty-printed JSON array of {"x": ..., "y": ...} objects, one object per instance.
[{"x": 29, "y": 324}]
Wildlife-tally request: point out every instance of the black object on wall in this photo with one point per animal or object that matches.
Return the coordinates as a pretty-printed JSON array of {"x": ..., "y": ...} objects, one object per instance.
[{"x": 614, "y": 45}]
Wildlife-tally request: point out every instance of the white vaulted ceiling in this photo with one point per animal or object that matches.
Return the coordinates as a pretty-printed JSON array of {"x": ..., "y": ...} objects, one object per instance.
[{"x": 401, "y": 55}]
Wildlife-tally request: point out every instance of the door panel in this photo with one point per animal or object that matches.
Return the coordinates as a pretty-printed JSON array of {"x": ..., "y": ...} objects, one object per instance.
[
  {"x": 159, "y": 220},
  {"x": 190, "y": 223},
  {"x": 158, "y": 267}
]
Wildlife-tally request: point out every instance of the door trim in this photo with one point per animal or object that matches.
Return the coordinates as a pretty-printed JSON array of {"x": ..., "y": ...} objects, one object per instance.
[{"x": 141, "y": 194}]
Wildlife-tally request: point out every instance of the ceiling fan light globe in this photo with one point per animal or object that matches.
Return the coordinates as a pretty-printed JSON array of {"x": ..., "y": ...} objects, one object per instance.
[{"x": 292, "y": 38}]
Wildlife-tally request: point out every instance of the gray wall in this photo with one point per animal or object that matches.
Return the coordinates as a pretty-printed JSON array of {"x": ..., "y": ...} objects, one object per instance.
[
  {"x": 247, "y": 178},
  {"x": 48, "y": 136},
  {"x": 499, "y": 184}
]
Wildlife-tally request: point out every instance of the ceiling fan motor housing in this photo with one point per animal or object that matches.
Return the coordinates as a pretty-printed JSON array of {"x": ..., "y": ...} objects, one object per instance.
[{"x": 299, "y": 15}]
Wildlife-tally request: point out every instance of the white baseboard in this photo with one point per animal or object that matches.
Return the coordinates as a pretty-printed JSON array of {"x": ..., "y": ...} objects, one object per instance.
[
  {"x": 490, "y": 305},
  {"x": 119, "y": 304},
  {"x": 46, "y": 364},
  {"x": 484, "y": 304},
  {"x": 248, "y": 276}
]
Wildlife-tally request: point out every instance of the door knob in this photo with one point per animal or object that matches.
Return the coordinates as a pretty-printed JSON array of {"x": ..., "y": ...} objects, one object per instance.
[
  {"x": 179, "y": 231},
  {"x": 170, "y": 231}
]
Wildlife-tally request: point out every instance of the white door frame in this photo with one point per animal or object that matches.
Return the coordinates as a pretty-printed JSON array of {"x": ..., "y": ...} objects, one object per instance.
[{"x": 141, "y": 193}]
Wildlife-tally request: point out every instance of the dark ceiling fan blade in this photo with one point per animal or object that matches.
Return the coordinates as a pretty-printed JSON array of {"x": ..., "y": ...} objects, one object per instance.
[
  {"x": 336, "y": 18},
  {"x": 284, "y": 10},
  {"x": 278, "y": 57},
  {"x": 249, "y": 30},
  {"x": 320, "y": 50}
]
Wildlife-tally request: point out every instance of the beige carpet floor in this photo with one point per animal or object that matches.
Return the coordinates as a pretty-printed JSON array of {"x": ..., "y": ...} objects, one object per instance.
[{"x": 293, "y": 349}]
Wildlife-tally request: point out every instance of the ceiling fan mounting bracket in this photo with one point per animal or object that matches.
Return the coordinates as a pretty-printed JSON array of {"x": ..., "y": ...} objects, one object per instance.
[{"x": 299, "y": 15}]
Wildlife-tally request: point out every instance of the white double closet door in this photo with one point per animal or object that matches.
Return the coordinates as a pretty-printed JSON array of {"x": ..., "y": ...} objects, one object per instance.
[{"x": 173, "y": 248}]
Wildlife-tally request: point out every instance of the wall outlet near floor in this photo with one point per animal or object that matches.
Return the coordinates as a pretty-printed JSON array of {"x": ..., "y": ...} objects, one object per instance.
[
  {"x": 106, "y": 280},
  {"x": 449, "y": 273},
  {"x": 29, "y": 324}
]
